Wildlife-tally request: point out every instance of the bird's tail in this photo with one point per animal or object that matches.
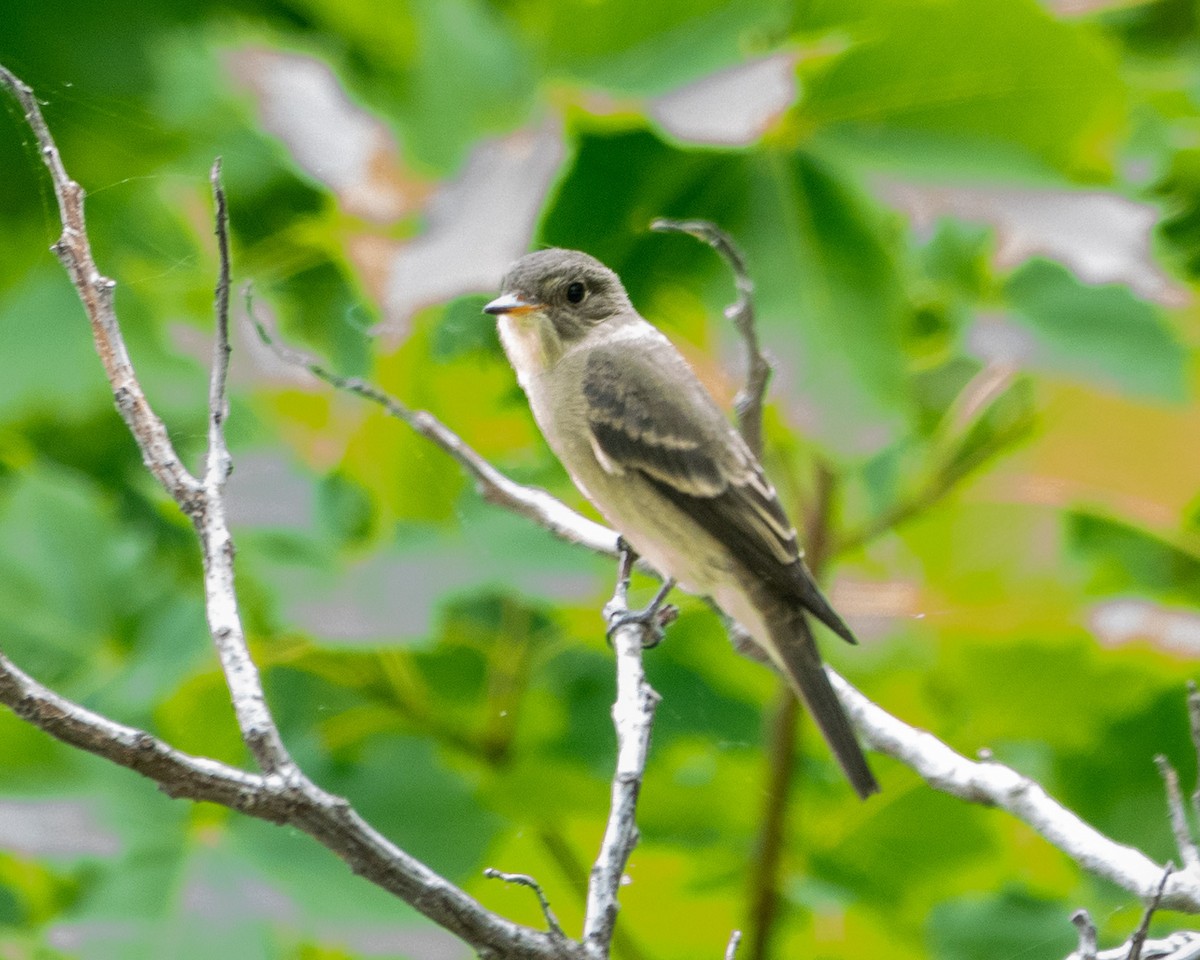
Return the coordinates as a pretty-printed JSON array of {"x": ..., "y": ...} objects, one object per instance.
[{"x": 796, "y": 652}]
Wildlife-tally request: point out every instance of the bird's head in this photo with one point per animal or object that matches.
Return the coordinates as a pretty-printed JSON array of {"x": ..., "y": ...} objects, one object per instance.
[{"x": 561, "y": 293}]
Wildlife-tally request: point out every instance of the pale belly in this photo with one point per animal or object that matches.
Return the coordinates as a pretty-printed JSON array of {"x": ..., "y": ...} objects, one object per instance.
[
  {"x": 667, "y": 538},
  {"x": 674, "y": 545}
]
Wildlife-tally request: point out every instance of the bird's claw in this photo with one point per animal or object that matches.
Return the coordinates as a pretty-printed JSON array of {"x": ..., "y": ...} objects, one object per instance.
[{"x": 653, "y": 619}]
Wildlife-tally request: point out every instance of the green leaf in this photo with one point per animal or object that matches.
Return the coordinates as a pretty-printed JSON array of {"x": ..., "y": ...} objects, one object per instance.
[
  {"x": 976, "y": 928},
  {"x": 631, "y": 47},
  {"x": 402, "y": 59},
  {"x": 1122, "y": 557},
  {"x": 346, "y": 509},
  {"x": 1104, "y": 334},
  {"x": 968, "y": 83},
  {"x": 42, "y": 318}
]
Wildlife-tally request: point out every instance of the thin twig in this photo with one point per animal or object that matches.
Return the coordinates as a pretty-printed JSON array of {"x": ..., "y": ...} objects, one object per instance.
[
  {"x": 524, "y": 880},
  {"x": 1178, "y": 814},
  {"x": 1087, "y": 935},
  {"x": 218, "y": 403},
  {"x": 1181, "y": 945},
  {"x": 532, "y": 503},
  {"x": 258, "y": 728},
  {"x": 949, "y": 467},
  {"x": 731, "y": 948},
  {"x": 1139, "y": 935},
  {"x": 575, "y": 872},
  {"x": 96, "y": 292},
  {"x": 633, "y": 718},
  {"x": 749, "y": 400}
]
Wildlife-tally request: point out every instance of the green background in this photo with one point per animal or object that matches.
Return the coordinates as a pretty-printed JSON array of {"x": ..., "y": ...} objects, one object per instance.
[{"x": 1022, "y": 561}]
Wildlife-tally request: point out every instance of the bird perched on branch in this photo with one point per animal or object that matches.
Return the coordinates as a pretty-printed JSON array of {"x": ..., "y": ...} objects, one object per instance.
[{"x": 647, "y": 445}]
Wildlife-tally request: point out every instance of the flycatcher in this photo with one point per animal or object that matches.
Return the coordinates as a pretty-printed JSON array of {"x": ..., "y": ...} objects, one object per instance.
[{"x": 645, "y": 442}]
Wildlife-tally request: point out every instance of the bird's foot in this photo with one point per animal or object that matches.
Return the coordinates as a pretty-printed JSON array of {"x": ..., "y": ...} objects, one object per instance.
[{"x": 654, "y": 618}]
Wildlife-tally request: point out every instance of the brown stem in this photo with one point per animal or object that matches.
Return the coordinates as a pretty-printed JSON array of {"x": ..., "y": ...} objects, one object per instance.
[
  {"x": 764, "y": 877},
  {"x": 749, "y": 401},
  {"x": 783, "y": 752}
]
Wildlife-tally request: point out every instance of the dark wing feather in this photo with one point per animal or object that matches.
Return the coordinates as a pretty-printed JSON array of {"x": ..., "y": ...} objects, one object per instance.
[{"x": 683, "y": 445}]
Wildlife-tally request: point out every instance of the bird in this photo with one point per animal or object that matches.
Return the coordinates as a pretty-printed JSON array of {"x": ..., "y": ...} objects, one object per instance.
[{"x": 645, "y": 442}]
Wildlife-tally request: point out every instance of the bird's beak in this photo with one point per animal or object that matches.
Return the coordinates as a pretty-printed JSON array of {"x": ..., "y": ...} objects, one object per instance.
[{"x": 510, "y": 303}]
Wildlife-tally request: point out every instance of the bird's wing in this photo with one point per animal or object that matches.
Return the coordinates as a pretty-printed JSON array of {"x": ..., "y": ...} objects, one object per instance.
[{"x": 681, "y": 443}]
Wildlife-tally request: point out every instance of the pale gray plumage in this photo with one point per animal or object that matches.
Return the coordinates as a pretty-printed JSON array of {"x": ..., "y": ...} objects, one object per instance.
[{"x": 644, "y": 441}]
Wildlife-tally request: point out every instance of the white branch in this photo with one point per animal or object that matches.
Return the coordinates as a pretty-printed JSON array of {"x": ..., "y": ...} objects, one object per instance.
[
  {"x": 993, "y": 784},
  {"x": 633, "y": 716},
  {"x": 258, "y": 728}
]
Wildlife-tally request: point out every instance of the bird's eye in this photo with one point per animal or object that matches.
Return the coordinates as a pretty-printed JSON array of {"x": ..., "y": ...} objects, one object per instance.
[{"x": 575, "y": 292}]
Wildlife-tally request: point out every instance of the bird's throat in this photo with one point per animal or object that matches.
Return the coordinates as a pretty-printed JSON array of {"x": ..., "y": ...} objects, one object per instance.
[{"x": 531, "y": 344}]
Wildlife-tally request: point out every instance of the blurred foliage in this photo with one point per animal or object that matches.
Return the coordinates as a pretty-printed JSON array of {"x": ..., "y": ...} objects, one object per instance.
[{"x": 1018, "y": 482}]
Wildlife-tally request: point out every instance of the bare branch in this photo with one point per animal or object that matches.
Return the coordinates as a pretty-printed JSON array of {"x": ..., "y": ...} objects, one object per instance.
[
  {"x": 245, "y": 686},
  {"x": 294, "y": 800},
  {"x": 218, "y": 403},
  {"x": 993, "y": 784},
  {"x": 532, "y": 503},
  {"x": 1175, "y": 807},
  {"x": 1087, "y": 935},
  {"x": 96, "y": 292},
  {"x": 525, "y": 880},
  {"x": 749, "y": 400},
  {"x": 1182, "y": 945},
  {"x": 178, "y": 774},
  {"x": 633, "y": 717}
]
